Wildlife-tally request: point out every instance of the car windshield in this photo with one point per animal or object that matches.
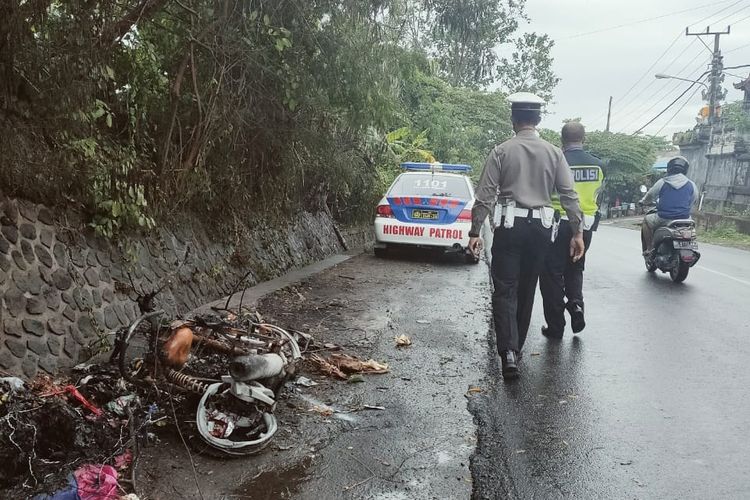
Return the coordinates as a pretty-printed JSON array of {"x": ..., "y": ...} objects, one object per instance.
[{"x": 430, "y": 185}]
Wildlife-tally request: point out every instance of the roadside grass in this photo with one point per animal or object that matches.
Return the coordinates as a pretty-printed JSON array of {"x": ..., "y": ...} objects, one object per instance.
[{"x": 725, "y": 234}]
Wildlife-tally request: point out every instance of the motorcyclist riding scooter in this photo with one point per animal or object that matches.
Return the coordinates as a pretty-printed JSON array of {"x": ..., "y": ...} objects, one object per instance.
[{"x": 668, "y": 233}]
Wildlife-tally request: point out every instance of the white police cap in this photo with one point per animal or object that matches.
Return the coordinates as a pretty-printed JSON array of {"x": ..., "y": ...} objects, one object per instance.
[{"x": 525, "y": 101}]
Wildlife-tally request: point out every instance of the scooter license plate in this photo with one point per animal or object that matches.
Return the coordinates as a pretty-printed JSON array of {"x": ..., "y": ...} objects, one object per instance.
[{"x": 685, "y": 244}]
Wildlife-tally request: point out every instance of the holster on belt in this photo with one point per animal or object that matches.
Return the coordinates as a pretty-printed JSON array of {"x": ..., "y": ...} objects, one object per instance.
[
  {"x": 597, "y": 218},
  {"x": 510, "y": 214}
]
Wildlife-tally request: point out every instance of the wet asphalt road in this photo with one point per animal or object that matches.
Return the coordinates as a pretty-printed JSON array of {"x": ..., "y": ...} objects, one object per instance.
[{"x": 650, "y": 401}]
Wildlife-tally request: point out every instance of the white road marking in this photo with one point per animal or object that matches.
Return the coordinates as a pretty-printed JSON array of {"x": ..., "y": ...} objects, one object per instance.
[{"x": 744, "y": 282}]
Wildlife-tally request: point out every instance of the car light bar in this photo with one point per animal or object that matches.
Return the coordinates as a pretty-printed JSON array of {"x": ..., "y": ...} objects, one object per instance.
[{"x": 435, "y": 167}]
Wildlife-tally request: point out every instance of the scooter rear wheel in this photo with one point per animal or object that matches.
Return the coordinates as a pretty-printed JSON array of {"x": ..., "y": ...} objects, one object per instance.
[
  {"x": 680, "y": 273},
  {"x": 650, "y": 266}
]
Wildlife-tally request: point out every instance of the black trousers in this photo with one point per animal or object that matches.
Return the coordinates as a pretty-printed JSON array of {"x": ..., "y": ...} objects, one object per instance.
[
  {"x": 517, "y": 259},
  {"x": 562, "y": 278}
]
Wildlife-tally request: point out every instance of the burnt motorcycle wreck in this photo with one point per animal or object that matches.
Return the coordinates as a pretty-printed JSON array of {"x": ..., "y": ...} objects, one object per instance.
[{"x": 233, "y": 364}]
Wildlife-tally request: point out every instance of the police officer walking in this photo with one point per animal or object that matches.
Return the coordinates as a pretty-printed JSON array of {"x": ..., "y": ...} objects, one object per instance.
[
  {"x": 561, "y": 276},
  {"x": 518, "y": 180}
]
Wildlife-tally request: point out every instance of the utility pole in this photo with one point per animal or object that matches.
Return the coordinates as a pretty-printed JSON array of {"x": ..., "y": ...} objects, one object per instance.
[
  {"x": 609, "y": 112},
  {"x": 714, "y": 91}
]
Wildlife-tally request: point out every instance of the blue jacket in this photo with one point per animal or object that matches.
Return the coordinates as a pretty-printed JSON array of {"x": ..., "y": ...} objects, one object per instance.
[{"x": 674, "y": 195}]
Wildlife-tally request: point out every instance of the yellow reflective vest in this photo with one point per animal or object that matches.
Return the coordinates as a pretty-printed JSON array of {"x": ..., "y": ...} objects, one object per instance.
[{"x": 589, "y": 180}]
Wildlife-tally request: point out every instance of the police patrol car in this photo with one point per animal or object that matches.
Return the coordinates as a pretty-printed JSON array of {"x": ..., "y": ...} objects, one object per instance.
[{"x": 429, "y": 205}]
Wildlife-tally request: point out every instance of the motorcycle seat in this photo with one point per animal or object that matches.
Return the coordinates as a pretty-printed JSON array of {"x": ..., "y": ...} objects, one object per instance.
[{"x": 681, "y": 223}]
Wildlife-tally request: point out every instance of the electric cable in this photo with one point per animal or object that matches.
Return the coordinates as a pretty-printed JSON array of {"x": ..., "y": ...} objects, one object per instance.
[
  {"x": 656, "y": 103},
  {"x": 717, "y": 12},
  {"x": 737, "y": 48},
  {"x": 652, "y": 120},
  {"x": 744, "y": 7},
  {"x": 677, "y": 112},
  {"x": 579, "y": 35},
  {"x": 654, "y": 81},
  {"x": 662, "y": 93}
]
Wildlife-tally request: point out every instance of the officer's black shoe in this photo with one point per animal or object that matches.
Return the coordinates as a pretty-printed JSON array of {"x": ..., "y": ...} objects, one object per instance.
[
  {"x": 510, "y": 365},
  {"x": 577, "y": 321},
  {"x": 550, "y": 334}
]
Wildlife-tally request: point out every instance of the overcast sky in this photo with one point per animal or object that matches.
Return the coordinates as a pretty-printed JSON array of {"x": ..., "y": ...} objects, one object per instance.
[{"x": 594, "y": 66}]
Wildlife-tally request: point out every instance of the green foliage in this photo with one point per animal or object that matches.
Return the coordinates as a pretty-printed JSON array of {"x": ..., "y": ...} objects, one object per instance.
[
  {"x": 465, "y": 35},
  {"x": 629, "y": 160},
  {"x": 551, "y": 136},
  {"x": 137, "y": 108},
  {"x": 529, "y": 68},
  {"x": 462, "y": 124},
  {"x": 736, "y": 116}
]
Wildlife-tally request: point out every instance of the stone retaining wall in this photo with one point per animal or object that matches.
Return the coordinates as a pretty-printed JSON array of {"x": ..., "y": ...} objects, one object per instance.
[{"x": 62, "y": 288}]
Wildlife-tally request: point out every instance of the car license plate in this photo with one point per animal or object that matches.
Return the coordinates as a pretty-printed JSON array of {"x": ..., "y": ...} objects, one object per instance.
[
  {"x": 685, "y": 244},
  {"x": 424, "y": 214}
]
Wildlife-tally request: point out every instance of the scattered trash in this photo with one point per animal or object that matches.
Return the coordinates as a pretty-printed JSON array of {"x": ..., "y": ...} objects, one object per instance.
[
  {"x": 120, "y": 405},
  {"x": 474, "y": 390},
  {"x": 402, "y": 341},
  {"x": 220, "y": 425},
  {"x": 628, "y": 462},
  {"x": 423, "y": 322},
  {"x": 536, "y": 354},
  {"x": 371, "y": 407},
  {"x": 305, "y": 382},
  {"x": 71, "y": 389},
  {"x": 356, "y": 379},
  {"x": 351, "y": 364},
  {"x": 326, "y": 411},
  {"x": 83, "y": 367},
  {"x": 123, "y": 462},
  {"x": 326, "y": 367},
  {"x": 14, "y": 383},
  {"x": 520, "y": 451},
  {"x": 97, "y": 482}
]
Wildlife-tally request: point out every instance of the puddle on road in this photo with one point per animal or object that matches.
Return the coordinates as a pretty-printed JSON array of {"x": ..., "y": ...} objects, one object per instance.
[{"x": 275, "y": 483}]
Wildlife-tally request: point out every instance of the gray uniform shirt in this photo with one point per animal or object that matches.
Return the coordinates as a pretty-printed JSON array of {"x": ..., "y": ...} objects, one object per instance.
[{"x": 527, "y": 169}]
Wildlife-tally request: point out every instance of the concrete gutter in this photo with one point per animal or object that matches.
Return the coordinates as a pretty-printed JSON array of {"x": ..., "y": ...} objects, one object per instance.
[{"x": 253, "y": 294}]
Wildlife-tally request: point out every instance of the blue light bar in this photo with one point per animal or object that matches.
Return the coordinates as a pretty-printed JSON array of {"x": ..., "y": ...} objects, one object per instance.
[{"x": 435, "y": 167}]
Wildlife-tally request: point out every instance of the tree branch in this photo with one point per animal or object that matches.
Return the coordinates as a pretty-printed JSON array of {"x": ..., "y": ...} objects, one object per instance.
[{"x": 144, "y": 10}]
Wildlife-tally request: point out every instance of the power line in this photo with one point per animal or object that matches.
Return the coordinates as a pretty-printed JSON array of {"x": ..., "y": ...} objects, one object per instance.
[
  {"x": 738, "y": 48},
  {"x": 717, "y": 12},
  {"x": 735, "y": 23},
  {"x": 653, "y": 81},
  {"x": 657, "y": 102},
  {"x": 677, "y": 112},
  {"x": 660, "y": 94},
  {"x": 679, "y": 36},
  {"x": 744, "y": 7},
  {"x": 632, "y": 23},
  {"x": 663, "y": 54},
  {"x": 652, "y": 120}
]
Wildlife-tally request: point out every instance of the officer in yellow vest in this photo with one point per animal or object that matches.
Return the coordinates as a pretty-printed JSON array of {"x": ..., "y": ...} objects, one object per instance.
[
  {"x": 517, "y": 183},
  {"x": 562, "y": 277}
]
